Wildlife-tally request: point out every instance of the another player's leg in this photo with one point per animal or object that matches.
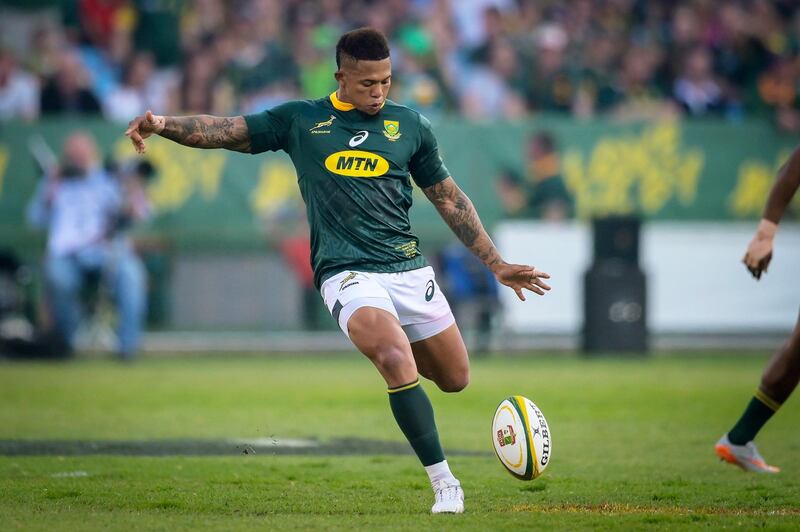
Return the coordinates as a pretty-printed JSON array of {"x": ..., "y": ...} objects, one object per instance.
[
  {"x": 377, "y": 334},
  {"x": 780, "y": 378}
]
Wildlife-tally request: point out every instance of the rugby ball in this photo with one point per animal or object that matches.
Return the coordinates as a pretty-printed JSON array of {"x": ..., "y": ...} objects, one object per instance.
[{"x": 521, "y": 437}]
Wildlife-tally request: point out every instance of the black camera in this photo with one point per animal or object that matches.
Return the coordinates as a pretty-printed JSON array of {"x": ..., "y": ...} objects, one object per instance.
[{"x": 70, "y": 171}]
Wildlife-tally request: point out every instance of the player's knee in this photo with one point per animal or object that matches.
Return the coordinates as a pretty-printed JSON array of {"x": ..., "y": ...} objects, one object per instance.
[
  {"x": 454, "y": 382},
  {"x": 393, "y": 360}
]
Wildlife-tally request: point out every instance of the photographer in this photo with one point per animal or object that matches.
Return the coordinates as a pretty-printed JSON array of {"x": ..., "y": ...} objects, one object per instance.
[{"x": 85, "y": 210}]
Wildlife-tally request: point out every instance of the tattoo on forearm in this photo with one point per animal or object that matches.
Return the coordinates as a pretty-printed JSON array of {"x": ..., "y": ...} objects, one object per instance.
[
  {"x": 457, "y": 210},
  {"x": 204, "y": 131}
]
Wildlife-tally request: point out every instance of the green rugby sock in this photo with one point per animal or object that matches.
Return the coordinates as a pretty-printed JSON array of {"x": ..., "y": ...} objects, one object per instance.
[
  {"x": 414, "y": 414},
  {"x": 757, "y": 413}
]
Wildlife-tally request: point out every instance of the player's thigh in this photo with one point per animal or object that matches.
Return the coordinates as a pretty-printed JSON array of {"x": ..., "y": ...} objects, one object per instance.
[
  {"x": 364, "y": 311},
  {"x": 348, "y": 291},
  {"x": 443, "y": 358},
  {"x": 378, "y": 335}
]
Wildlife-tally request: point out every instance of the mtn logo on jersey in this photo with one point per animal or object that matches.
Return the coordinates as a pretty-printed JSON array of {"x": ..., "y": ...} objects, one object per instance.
[{"x": 356, "y": 163}]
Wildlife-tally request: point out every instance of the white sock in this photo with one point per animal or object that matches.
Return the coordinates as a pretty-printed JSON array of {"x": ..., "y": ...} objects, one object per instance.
[{"x": 440, "y": 471}]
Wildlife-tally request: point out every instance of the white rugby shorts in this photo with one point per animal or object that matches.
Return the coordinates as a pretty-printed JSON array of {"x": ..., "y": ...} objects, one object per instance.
[{"x": 413, "y": 297}]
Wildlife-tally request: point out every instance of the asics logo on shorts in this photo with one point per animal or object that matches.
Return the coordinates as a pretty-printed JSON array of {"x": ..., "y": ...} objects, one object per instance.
[{"x": 429, "y": 289}]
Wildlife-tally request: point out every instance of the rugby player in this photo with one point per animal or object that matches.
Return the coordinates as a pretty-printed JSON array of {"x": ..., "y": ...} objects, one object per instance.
[
  {"x": 356, "y": 153},
  {"x": 782, "y": 373}
]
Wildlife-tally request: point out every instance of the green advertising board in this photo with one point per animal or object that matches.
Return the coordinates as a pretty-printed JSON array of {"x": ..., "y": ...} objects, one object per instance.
[{"x": 207, "y": 199}]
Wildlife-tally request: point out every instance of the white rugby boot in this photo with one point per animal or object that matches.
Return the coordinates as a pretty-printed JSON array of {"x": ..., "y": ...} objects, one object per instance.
[
  {"x": 449, "y": 497},
  {"x": 745, "y": 456}
]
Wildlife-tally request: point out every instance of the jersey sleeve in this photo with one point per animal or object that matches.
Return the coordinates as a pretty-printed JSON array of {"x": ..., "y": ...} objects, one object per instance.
[
  {"x": 426, "y": 165},
  {"x": 269, "y": 130}
]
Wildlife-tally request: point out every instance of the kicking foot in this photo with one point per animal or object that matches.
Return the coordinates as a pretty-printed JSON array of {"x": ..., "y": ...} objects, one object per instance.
[
  {"x": 745, "y": 456},
  {"x": 449, "y": 497}
]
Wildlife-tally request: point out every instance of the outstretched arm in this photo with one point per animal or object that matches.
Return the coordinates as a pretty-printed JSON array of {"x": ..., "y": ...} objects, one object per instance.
[
  {"x": 197, "y": 131},
  {"x": 759, "y": 252},
  {"x": 457, "y": 210},
  {"x": 783, "y": 190}
]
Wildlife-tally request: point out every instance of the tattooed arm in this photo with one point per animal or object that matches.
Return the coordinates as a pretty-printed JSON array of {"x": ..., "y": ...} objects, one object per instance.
[
  {"x": 457, "y": 210},
  {"x": 198, "y": 131}
]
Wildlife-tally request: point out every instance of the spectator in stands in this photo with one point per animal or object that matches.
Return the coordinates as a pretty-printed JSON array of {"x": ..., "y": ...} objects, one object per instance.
[
  {"x": 595, "y": 90},
  {"x": 138, "y": 92},
  {"x": 636, "y": 95},
  {"x": 201, "y": 89},
  {"x": 310, "y": 48},
  {"x": 100, "y": 21},
  {"x": 492, "y": 33},
  {"x": 739, "y": 54},
  {"x": 417, "y": 85},
  {"x": 262, "y": 71},
  {"x": 513, "y": 192},
  {"x": 636, "y": 60},
  {"x": 696, "y": 90},
  {"x": 540, "y": 191},
  {"x": 550, "y": 199},
  {"x": 472, "y": 292},
  {"x": 468, "y": 17},
  {"x": 778, "y": 92},
  {"x": 85, "y": 211},
  {"x": 201, "y": 23},
  {"x": 158, "y": 31},
  {"x": 550, "y": 85},
  {"x": 44, "y": 50},
  {"x": 19, "y": 91},
  {"x": 67, "y": 91},
  {"x": 493, "y": 91}
]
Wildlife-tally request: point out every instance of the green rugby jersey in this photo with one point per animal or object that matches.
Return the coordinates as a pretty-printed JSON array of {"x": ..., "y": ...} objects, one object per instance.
[{"x": 354, "y": 172}]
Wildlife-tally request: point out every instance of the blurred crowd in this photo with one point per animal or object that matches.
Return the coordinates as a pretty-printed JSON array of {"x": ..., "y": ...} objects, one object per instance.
[{"x": 485, "y": 59}]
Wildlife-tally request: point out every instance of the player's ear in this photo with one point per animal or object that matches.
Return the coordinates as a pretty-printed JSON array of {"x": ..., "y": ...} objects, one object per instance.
[{"x": 339, "y": 75}]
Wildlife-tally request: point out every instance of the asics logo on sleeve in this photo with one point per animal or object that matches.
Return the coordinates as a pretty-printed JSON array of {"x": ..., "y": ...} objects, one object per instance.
[{"x": 358, "y": 138}]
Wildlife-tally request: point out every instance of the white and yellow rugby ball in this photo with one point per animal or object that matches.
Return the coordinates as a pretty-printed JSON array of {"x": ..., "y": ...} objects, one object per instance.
[{"x": 521, "y": 437}]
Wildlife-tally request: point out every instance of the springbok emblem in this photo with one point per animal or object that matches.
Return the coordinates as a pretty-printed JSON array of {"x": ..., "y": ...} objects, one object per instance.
[{"x": 326, "y": 123}]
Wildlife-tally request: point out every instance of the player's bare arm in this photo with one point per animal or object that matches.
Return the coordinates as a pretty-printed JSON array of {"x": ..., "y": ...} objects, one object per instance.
[
  {"x": 457, "y": 210},
  {"x": 197, "y": 131},
  {"x": 759, "y": 252}
]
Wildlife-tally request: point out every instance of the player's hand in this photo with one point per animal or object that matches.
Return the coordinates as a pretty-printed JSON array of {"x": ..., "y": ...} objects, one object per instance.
[
  {"x": 759, "y": 252},
  {"x": 142, "y": 127},
  {"x": 519, "y": 276}
]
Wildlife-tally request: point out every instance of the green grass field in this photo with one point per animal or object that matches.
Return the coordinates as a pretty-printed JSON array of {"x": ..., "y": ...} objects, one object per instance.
[{"x": 632, "y": 446}]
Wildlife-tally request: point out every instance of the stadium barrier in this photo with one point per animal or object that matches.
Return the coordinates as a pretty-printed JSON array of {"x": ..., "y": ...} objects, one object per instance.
[{"x": 696, "y": 282}]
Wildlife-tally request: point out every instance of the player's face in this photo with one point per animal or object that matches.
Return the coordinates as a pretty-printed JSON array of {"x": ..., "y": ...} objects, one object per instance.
[{"x": 365, "y": 84}]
